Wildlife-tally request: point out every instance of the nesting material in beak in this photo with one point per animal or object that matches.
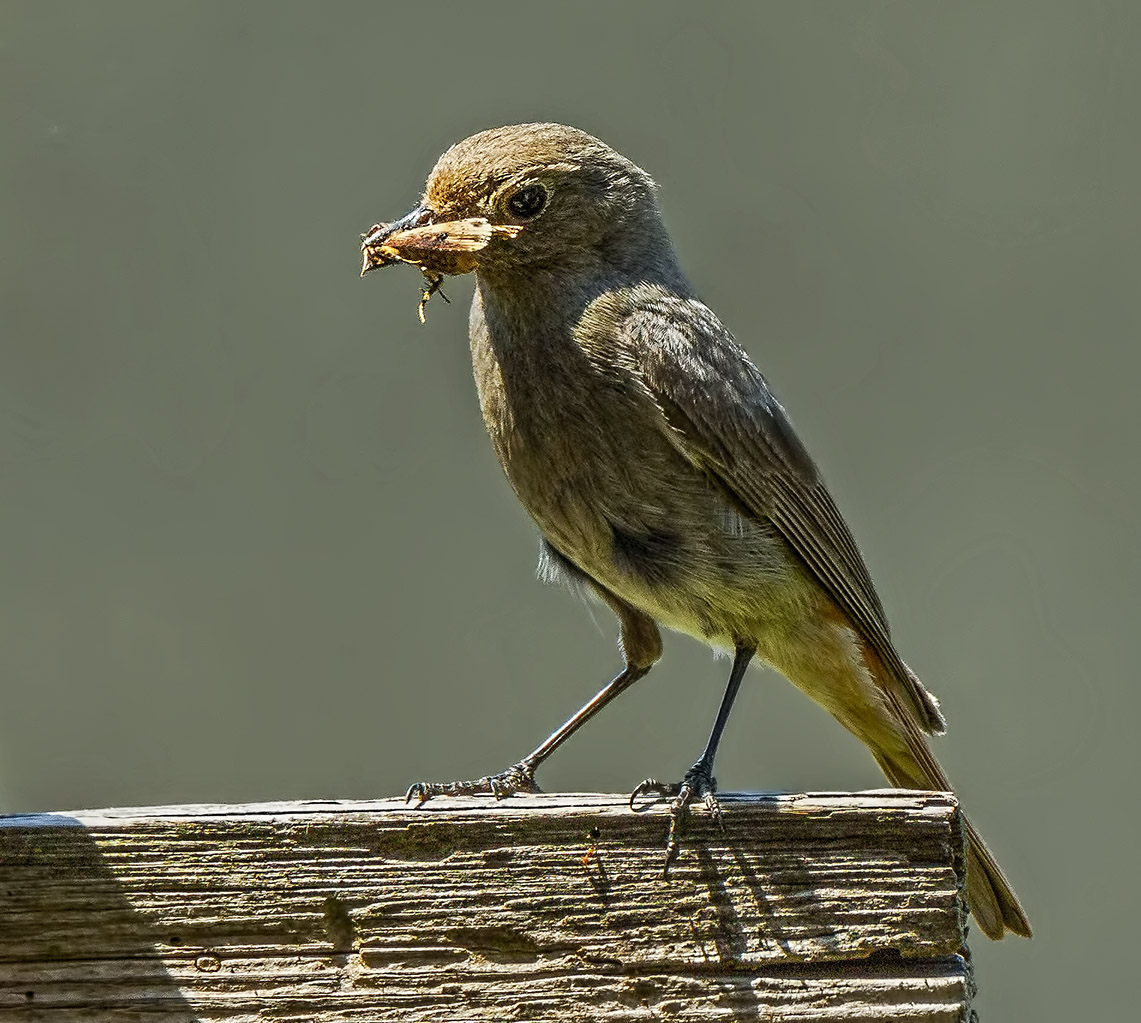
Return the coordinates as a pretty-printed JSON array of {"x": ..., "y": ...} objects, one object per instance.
[{"x": 438, "y": 250}]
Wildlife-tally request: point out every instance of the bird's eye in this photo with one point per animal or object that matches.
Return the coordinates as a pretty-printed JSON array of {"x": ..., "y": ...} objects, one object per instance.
[{"x": 528, "y": 202}]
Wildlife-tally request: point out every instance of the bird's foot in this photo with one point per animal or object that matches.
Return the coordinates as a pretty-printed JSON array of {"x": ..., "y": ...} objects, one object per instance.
[
  {"x": 698, "y": 783},
  {"x": 518, "y": 777}
]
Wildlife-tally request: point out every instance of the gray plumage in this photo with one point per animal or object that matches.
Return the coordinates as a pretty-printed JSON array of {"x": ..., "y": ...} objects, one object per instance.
[{"x": 660, "y": 469}]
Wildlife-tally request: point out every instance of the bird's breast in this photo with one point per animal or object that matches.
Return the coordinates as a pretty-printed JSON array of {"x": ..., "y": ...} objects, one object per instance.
[
  {"x": 588, "y": 457},
  {"x": 578, "y": 451}
]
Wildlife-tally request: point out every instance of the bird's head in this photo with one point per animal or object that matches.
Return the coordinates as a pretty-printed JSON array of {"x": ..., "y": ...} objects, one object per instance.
[{"x": 520, "y": 197}]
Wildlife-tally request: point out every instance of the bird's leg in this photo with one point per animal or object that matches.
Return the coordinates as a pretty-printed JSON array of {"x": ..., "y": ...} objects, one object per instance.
[
  {"x": 698, "y": 781},
  {"x": 641, "y": 645},
  {"x": 520, "y": 777}
]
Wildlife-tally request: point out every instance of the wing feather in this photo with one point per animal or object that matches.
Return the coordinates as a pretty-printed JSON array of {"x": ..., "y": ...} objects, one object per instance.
[{"x": 719, "y": 412}]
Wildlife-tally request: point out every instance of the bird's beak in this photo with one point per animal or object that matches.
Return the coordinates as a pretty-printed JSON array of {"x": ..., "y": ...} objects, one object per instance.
[
  {"x": 438, "y": 248},
  {"x": 378, "y": 234}
]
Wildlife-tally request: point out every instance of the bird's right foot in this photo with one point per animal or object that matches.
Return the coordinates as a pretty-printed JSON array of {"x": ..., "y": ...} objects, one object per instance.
[
  {"x": 518, "y": 777},
  {"x": 698, "y": 783}
]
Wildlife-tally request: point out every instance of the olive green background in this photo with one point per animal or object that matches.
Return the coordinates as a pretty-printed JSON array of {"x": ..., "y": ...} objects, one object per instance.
[{"x": 254, "y": 543}]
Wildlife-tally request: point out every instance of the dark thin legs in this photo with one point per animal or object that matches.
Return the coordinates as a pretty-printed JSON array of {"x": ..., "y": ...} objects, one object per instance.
[
  {"x": 641, "y": 646},
  {"x": 698, "y": 781},
  {"x": 740, "y": 663},
  {"x": 520, "y": 777}
]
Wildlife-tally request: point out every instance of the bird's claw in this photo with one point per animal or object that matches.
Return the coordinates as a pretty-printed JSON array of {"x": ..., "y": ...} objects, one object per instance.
[
  {"x": 518, "y": 777},
  {"x": 697, "y": 783},
  {"x": 651, "y": 786}
]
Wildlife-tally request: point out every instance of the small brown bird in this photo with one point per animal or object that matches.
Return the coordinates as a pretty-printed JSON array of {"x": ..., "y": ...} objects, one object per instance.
[{"x": 663, "y": 475}]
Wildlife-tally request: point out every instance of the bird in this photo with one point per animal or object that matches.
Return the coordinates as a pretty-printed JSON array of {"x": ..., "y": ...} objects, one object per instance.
[{"x": 665, "y": 478}]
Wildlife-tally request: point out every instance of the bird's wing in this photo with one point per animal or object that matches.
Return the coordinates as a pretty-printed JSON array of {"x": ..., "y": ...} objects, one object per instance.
[{"x": 718, "y": 411}]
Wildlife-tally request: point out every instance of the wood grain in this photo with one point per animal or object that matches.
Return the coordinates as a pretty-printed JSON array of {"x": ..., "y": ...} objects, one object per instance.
[{"x": 806, "y": 907}]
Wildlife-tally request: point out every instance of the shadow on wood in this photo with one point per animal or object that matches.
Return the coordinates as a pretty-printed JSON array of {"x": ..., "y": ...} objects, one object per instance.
[{"x": 806, "y": 907}]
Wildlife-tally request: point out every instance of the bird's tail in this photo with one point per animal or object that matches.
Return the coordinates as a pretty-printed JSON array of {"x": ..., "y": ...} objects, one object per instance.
[{"x": 992, "y": 900}]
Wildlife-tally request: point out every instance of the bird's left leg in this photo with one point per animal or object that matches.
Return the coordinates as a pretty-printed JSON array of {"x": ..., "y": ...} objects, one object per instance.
[
  {"x": 698, "y": 782},
  {"x": 641, "y": 646}
]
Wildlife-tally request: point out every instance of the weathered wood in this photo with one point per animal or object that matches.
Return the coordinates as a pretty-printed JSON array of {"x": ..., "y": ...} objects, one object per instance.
[{"x": 806, "y": 907}]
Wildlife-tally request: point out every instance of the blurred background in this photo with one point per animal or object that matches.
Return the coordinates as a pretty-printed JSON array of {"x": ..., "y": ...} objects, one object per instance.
[{"x": 254, "y": 543}]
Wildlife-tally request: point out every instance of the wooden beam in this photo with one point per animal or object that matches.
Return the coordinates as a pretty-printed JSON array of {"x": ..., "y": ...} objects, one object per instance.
[{"x": 806, "y": 907}]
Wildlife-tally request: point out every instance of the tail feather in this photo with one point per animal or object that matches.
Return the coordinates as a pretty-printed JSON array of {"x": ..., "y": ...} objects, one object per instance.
[
  {"x": 896, "y": 740},
  {"x": 987, "y": 886},
  {"x": 991, "y": 898}
]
